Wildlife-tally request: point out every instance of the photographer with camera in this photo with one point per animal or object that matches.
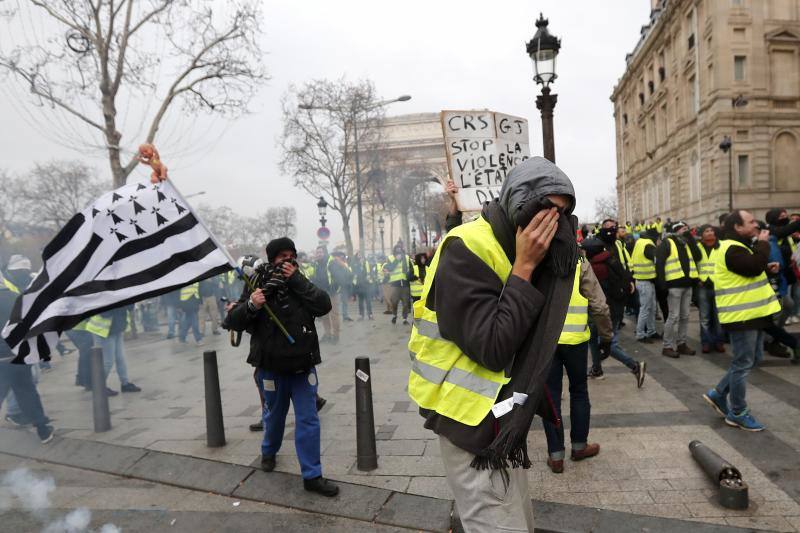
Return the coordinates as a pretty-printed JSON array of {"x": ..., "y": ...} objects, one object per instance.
[{"x": 286, "y": 370}]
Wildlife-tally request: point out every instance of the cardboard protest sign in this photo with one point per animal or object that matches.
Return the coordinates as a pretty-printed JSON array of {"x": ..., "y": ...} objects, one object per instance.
[{"x": 482, "y": 147}]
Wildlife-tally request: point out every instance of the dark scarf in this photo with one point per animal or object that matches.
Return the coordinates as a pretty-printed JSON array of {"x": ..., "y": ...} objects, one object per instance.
[{"x": 554, "y": 279}]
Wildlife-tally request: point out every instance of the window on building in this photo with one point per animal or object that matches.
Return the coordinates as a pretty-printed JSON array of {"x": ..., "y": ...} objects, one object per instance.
[
  {"x": 711, "y": 83},
  {"x": 625, "y": 119},
  {"x": 739, "y": 34},
  {"x": 694, "y": 95},
  {"x": 662, "y": 73},
  {"x": 743, "y": 169},
  {"x": 641, "y": 98},
  {"x": 690, "y": 29},
  {"x": 739, "y": 68},
  {"x": 694, "y": 177},
  {"x": 651, "y": 86}
]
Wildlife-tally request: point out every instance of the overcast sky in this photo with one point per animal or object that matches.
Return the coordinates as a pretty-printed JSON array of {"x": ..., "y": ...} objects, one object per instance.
[{"x": 445, "y": 54}]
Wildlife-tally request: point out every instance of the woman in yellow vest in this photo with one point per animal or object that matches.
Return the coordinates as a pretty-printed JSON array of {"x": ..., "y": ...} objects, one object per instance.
[
  {"x": 746, "y": 304},
  {"x": 572, "y": 355}
]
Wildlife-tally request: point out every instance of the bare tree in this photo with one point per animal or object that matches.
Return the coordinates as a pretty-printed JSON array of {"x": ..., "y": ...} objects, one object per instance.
[
  {"x": 95, "y": 53},
  {"x": 318, "y": 139},
  {"x": 11, "y": 205},
  {"x": 53, "y": 192},
  {"x": 249, "y": 234},
  {"x": 606, "y": 206}
]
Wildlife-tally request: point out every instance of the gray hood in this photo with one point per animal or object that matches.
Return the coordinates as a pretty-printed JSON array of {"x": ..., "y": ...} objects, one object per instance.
[{"x": 533, "y": 179}]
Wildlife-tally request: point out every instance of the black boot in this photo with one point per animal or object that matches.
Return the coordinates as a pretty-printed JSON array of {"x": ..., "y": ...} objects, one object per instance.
[
  {"x": 267, "y": 463},
  {"x": 258, "y": 426},
  {"x": 320, "y": 402},
  {"x": 322, "y": 486}
]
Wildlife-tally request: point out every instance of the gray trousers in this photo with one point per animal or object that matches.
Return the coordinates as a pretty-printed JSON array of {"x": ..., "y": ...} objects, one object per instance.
[
  {"x": 679, "y": 300},
  {"x": 487, "y": 502}
]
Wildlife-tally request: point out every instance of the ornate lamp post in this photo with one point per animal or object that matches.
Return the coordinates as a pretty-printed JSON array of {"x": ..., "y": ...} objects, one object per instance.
[
  {"x": 543, "y": 51},
  {"x": 381, "y": 224},
  {"x": 322, "y": 233},
  {"x": 725, "y": 146}
]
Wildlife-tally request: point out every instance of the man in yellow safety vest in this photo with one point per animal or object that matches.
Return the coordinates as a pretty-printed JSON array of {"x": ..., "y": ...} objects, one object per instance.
[{"x": 746, "y": 303}]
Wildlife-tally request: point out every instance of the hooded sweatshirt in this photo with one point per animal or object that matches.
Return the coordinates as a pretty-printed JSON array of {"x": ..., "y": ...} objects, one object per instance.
[{"x": 487, "y": 319}]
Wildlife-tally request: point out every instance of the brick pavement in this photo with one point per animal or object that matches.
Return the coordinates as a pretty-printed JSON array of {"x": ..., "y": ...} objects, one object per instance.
[{"x": 644, "y": 467}]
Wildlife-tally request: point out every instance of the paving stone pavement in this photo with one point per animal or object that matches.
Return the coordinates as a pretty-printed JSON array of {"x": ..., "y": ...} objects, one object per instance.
[{"x": 644, "y": 468}]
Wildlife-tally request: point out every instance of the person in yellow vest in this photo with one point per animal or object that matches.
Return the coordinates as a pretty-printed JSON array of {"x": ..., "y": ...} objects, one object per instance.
[
  {"x": 420, "y": 264},
  {"x": 469, "y": 343},
  {"x": 644, "y": 275},
  {"x": 323, "y": 278},
  {"x": 108, "y": 329},
  {"x": 746, "y": 304},
  {"x": 676, "y": 270},
  {"x": 711, "y": 334},
  {"x": 571, "y": 355},
  {"x": 659, "y": 226},
  {"x": 386, "y": 289},
  {"x": 83, "y": 341},
  {"x": 363, "y": 278},
  {"x": 781, "y": 228},
  {"x": 400, "y": 270},
  {"x": 190, "y": 305}
]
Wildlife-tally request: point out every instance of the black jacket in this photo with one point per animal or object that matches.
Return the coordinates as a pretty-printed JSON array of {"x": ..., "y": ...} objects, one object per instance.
[{"x": 269, "y": 347}]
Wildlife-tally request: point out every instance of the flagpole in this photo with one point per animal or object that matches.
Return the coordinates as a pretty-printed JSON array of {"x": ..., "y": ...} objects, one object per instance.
[{"x": 235, "y": 266}]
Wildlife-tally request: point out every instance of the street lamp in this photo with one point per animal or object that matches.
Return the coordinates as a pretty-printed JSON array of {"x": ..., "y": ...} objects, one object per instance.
[
  {"x": 543, "y": 51},
  {"x": 322, "y": 206},
  {"x": 381, "y": 223},
  {"x": 354, "y": 110},
  {"x": 414, "y": 240},
  {"x": 725, "y": 146}
]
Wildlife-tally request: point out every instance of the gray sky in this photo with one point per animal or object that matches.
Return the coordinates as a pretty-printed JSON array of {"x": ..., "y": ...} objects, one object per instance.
[{"x": 446, "y": 54}]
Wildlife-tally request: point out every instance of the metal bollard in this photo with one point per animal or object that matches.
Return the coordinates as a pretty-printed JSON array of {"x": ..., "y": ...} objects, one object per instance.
[
  {"x": 733, "y": 492},
  {"x": 215, "y": 429},
  {"x": 367, "y": 455},
  {"x": 100, "y": 412}
]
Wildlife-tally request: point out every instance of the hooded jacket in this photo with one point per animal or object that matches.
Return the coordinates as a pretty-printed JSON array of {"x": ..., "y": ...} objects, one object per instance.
[{"x": 486, "y": 319}]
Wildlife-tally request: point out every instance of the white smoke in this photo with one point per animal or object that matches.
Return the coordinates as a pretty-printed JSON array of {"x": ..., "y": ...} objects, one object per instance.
[{"x": 33, "y": 494}]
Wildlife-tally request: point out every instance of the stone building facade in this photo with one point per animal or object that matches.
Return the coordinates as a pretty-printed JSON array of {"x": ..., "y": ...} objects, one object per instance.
[{"x": 703, "y": 70}]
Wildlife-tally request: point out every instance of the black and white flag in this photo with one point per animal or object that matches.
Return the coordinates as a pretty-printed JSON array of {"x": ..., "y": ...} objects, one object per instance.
[{"x": 132, "y": 243}]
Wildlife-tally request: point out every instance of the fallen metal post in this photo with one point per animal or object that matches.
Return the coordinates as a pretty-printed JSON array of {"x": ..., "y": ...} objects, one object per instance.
[
  {"x": 366, "y": 452},
  {"x": 733, "y": 492}
]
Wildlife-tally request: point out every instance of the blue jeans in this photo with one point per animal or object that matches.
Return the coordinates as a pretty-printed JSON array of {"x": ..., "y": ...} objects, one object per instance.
[
  {"x": 344, "y": 300},
  {"x": 301, "y": 389},
  {"x": 83, "y": 342},
  {"x": 19, "y": 380},
  {"x": 172, "y": 320},
  {"x": 646, "y": 323},
  {"x": 710, "y": 329},
  {"x": 616, "y": 352},
  {"x": 12, "y": 405},
  {"x": 113, "y": 354},
  {"x": 573, "y": 358},
  {"x": 190, "y": 320},
  {"x": 748, "y": 350}
]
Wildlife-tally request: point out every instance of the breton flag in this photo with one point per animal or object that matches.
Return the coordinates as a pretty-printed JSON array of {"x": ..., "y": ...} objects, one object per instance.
[{"x": 133, "y": 243}]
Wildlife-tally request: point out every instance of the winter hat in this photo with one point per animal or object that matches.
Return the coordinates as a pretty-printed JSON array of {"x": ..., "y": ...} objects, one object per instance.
[
  {"x": 19, "y": 262},
  {"x": 678, "y": 225},
  {"x": 277, "y": 246},
  {"x": 773, "y": 215}
]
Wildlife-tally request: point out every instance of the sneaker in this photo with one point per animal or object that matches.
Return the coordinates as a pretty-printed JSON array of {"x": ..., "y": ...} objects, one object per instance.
[
  {"x": 320, "y": 403},
  {"x": 776, "y": 349},
  {"x": 44, "y": 366},
  {"x": 394, "y": 320},
  {"x": 596, "y": 373},
  {"x": 258, "y": 426},
  {"x": 622, "y": 324},
  {"x": 267, "y": 463},
  {"x": 744, "y": 421},
  {"x": 215, "y": 333},
  {"x": 669, "y": 352},
  {"x": 657, "y": 336},
  {"x": 347, "y": 319},
  {"x": 719, "y": 347},
  {"x": 640, "y": 372},
  {"x": 130, "y": 387},
  {"x": 645, "y": 340},
  {"x": 18, "y": 420},
  {"x": 590, "y": 451},
  {"x": 405, "y": 321},
  {"x": 170, "y": 337},
  {"x": 717, "y": 401},
  {"x": 705, "y": 348},
  {"x": 556, "y": 465},
  {"x": 371, "y": 317},
  {"x": 111, "y": 392},
  {"x": 684, "y": 349},
  {"x": 199, "y": 343},
  {"x": 45, "y": 433},
  {"x": 322, "y": 486}
]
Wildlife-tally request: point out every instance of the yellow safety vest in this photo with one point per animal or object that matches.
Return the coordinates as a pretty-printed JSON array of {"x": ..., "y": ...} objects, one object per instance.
[
  {"x": 624, "y": 256},
  {"x": 443, "y": 378},
  {"x": 741, "y": 298},
  {"x": 643, "y": 268},
  {"x": 659, "y": 227},
  {"x": 83, "y": 325},
  {"x": 416, "y": 285},
  {"x": 576, "y": 325},
  {"x": 400, "y": 270},
  {"x": 628, "y": 228},
  {"x": 673, "y": 269},
  {"x": 792, "y": 244},
  {"x": 99, "y": 325},
  {"x": 10, "y": 286},
  {"x": 190, "y": 291},
  {"x": 706, "y": 266},
  {"x": 308, "y": 270}
]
